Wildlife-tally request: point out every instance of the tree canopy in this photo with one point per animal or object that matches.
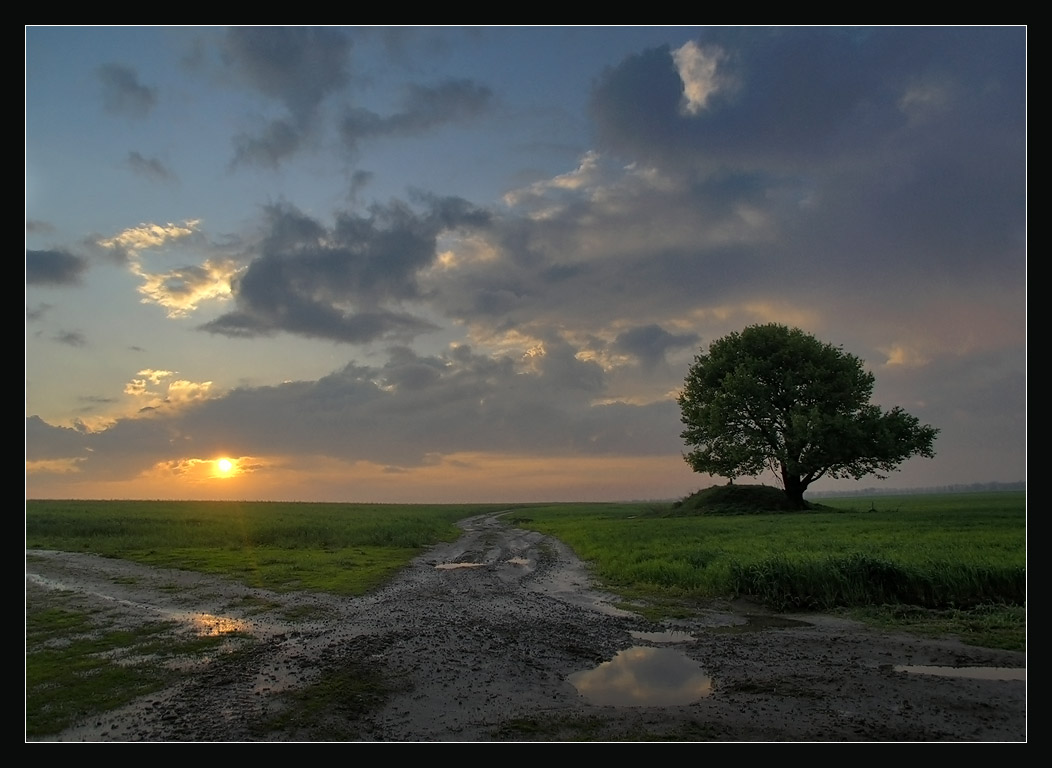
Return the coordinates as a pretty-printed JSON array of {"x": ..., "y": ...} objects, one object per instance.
[{"x": 774, "y": 397}]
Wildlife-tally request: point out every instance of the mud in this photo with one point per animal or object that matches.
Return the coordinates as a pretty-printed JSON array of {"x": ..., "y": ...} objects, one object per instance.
[{"x": 487, "y": 652}]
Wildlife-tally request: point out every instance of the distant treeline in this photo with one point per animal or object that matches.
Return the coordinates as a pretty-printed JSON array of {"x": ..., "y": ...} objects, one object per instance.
[{"x": 1019, "y": 485}]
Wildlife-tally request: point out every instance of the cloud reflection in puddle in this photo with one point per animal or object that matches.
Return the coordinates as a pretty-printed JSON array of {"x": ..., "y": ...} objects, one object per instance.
[{"x": 644, "y": 677}]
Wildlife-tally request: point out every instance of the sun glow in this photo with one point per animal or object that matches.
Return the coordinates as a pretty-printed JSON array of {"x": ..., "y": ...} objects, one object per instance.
[{"x": 224, "y": 466}]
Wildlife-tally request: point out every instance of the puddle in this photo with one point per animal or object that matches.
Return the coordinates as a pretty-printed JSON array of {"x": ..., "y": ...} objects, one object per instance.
[
  {"x": 209, "y": 625},
  {"x": 644, "y": 677},
  {"x": 452, "y": 566},
  {"x": 757, "y": 623},
  {"x": 668, "y": 636},
  {"x": 974, "y": 673}
]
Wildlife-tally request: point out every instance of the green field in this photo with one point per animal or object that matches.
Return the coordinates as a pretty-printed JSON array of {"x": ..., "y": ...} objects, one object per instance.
[
  {"x": 934, "y": 551},
  {"x": 345, "y": 549},
  {"x": 933, "y": 564},
  {"x": 937, "y": 563},
  {"x": 956, "y": 553}
]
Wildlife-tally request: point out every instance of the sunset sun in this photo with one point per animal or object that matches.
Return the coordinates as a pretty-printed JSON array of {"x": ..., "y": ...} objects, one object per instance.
[{"x": 224, "y": 466}]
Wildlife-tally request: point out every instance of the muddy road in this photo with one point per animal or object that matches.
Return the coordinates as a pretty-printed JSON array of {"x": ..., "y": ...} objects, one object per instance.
[{"x": 500, "y": 636}]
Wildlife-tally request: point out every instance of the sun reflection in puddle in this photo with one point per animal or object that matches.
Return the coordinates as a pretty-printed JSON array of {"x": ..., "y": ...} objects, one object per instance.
[
  {"x": 644, "y": 677},
  {"x": 973, "y": 673},
  {"x": 453, "y": 566},
  {"x": 210, "y": 625}
]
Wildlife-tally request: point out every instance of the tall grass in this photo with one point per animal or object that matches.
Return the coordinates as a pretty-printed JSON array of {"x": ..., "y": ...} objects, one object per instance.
[
  {"x": 340, "y": 548},
  {"x": 939, "y": 551}
]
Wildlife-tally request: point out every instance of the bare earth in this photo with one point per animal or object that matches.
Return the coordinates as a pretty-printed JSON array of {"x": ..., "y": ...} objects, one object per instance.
[{"x": 483, "y": 652}]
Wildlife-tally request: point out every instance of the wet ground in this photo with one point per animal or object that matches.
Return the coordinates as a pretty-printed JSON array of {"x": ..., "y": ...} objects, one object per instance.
[{"x": 500, "y": 636}]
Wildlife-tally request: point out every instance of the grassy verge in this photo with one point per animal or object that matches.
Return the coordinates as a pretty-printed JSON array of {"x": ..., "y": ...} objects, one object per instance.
[{"x": 958, "y": 562}]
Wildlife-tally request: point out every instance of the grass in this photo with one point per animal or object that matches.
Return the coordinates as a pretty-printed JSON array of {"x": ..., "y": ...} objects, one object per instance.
[
  {"x": 933, "y": 564},
  {"x": 345, "y": 549},
  {"x": 951, "y": 556},
  {"x": 78, "y": 665}
]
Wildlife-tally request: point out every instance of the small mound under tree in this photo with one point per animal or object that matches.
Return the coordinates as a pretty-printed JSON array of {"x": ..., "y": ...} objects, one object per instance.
[{"x": 774, "y": 397}]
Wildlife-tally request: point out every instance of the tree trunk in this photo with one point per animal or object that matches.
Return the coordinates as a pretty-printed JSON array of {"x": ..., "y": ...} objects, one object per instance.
[{"x": 794, "y": 489}]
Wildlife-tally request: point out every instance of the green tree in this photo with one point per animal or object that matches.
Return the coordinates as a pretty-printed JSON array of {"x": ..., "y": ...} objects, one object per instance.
[{"x": 773, "y": 397}]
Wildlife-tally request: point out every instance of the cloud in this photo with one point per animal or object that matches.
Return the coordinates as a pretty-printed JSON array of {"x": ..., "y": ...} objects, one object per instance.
[
  {"x": 277, "y": 141},
  {"x": 543, "y": 197},
  {"x": 71, "y": 338},
  {"x": 877, "y": 157},
  {"x": 698, "y": 69},
  {"x": 54, "y": 267},
  {"x": 598, "y": 245},
  {"x": 181, "y": 290},
  {"x": 302, "y": 69},
  {"x": 38, "y": 227},
  {"x": 130, "y": 242},
  {"x": 649, "y": 343},
  {"x": 123, "y": 94},
  {"x": 299, "y": 68},
  {"x": 139, "y": 387},
  {"x": 150, "y": 167},
  {"x": 802, "y": 96},
  {"x": 424, "y": 108},
  {"x": 38, "y": 312},
  {"x": 44, "y": 442},
  {"x": 178, "y": 290},
  {"x": 405, "y": 413},
  {"x": 343, "y": 282}
]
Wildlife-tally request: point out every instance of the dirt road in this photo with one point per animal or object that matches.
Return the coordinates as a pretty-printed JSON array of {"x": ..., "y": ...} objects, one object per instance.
[{"x": 485, "y": 639}]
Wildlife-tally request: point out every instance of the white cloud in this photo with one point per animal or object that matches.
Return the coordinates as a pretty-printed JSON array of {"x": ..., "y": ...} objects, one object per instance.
[
  {"x": 180, "y": 290},
  {"x": 183, "y": 391},
  {"x": 145, "y": 236},
  {"x": 155, "y": 376},
  {"x": 903, "y": 355},
  {"x": 585, "y": 176},
  {"x": 697, "y": 68}
]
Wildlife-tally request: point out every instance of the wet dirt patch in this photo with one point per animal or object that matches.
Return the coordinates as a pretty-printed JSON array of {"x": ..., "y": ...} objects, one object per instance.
[{"x": 973, "y": 673}]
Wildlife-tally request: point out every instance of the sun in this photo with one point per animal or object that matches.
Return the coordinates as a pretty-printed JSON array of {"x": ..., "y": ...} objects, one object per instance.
[{"x": 224, "y": 466}]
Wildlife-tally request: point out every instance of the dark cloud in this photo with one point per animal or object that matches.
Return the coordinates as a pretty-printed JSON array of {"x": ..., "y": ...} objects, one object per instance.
[
  {"x": 425, "y": 108},
  {"x": 37, "y": 227},
  {"x": 624, "y": 248},
  {"x": 886, "y": 151},
  {"x": 123, "y": 94},
  {"x": 359, "y": 181},
  {"x": 55, "y": 267},
  {"x": 400, "y": 414},
  {"x": 96, "y": 400},
  {"x": 277, "y": 141},
  {"x": 299, "y": 67},
  {"x": 794, "y": 96},
  {"x": 341, "y": 283},
  {"x": 649, "y": 343},
  {"x": 38, "y": 312},
  {"x": 149, "y": 167},
  {"x": 44, "y": 441},
  {"x": 71, "y": 338},
  {"x": 824, "y": 160}
]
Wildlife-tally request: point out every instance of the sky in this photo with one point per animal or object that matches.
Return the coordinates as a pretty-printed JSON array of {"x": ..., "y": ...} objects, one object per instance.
[{"x": 449, "y": 264}]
